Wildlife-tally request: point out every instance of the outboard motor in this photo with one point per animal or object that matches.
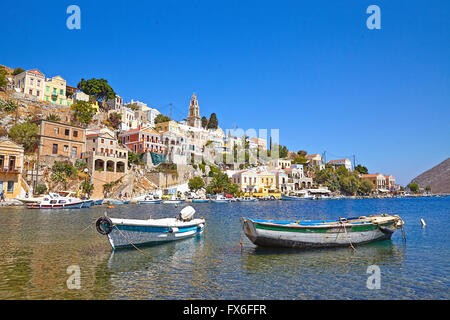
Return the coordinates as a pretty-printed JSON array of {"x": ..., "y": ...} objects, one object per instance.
[{"x": 187, "y": 213}]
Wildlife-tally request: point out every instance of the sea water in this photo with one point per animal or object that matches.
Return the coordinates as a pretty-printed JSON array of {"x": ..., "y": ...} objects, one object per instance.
[{"x": 40, "y": 249}]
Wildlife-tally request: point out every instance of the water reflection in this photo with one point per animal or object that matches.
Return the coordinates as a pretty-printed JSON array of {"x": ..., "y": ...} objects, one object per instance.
[{"x": 258, "y": 259}]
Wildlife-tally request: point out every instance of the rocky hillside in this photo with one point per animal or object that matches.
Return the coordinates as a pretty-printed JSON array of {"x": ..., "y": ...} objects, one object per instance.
[{"x": 437, "y": 177}]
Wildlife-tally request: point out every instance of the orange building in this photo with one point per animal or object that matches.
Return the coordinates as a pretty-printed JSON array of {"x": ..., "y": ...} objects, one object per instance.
[
  {"x": 143, "y": 140},
  {"x": 60, "y": 141}
]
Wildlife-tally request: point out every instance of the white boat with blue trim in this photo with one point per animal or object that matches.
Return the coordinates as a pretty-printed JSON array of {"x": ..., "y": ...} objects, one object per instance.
[
  {"x": 150, "y": 199},
  {"x": 328, "y": 233},
  {"x": 132, "y": 232},
  {"x": 220, "y": 199}
]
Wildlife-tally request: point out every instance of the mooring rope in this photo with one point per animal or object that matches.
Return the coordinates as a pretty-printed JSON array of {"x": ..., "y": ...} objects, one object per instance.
[
  {"x": 141, "y": 251},
  {"x": 348, "y": 237},
  {"x": 240, "y": 239}
]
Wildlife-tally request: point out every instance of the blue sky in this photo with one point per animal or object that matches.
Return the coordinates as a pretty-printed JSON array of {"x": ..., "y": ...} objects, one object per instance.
[{"x": 311, "y": 69}]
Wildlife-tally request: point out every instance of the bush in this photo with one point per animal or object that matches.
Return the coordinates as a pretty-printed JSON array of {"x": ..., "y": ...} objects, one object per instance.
[
  {"x": 25, "y": 134},
  {"x": 41, "y": 188}
]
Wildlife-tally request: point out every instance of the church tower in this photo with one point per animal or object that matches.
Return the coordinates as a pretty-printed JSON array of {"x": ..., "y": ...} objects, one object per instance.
[{"x": 193, "y": 118}]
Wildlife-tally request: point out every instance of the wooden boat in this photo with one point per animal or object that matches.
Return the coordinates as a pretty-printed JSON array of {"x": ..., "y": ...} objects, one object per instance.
[
  {"x": 200, "y": 201},
  {"x": 116, "y": 202},
  {"x": 329, "y": 233},
  {"x": 87, "y": 203},
  {"x": 55, "y": 201},
  {"x": 129, "y": 232},
  {"x": 98, "y": 202}
]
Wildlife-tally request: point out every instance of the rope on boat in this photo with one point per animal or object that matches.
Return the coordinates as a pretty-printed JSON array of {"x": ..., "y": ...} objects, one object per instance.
[
  {"x": 141, "y": 251},
  {"x": 348, "y": 237},
  {"x": 240, "y": 239}
]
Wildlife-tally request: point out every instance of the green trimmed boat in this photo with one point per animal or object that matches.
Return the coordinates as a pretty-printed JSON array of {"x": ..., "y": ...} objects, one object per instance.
[{"x": 320, "y": 233}]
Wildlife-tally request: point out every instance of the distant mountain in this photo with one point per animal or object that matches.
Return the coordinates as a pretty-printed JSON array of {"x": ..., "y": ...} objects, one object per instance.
[{"x": 438, "y": 178}]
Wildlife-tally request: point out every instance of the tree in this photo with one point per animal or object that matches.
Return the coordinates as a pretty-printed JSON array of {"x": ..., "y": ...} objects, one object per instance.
[
  {"x": 83, "y": 112},
  {"x": 366, "y": 187},
  {"x": 196, "y": 183},
  {"x": 349, "y": 184},
  {"x": 204, "y": 122},
  {"x": 302, "y": 153},
  {"x": 219, "y": 182},
  {"x": 87, "y": 187},
  {"x": 17, "y": 71},
  {"x": 9, "y": 106},
  {"x": 98, "y": 88},
  {"x": 133, "y": 106},
  {"x": 114, "y": 120},
  {"x": 361, "y": 169},
  {"x": 414, "y": 187},
  {"x": 53, "y": 117},
  {"x": 161, "y": 118},
  {"x": 213, "y": 123},
  {"x": 300, "y": 159},
  {"x": 3, "y": 79},
  {"x": 428, "y": 189},
  {"x": 25, "y": 134}
]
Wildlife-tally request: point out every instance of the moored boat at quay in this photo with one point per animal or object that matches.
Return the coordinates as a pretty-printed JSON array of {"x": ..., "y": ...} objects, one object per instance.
[
  {"x": 220, "y": 199},
  {"x": 329, "y": 233},
  {"x": 132, "y": 232},
  {"x": 55, "y": 201}
]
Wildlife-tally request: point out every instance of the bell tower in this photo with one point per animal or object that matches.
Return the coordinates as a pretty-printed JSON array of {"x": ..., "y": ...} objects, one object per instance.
[{"x": 193, "y": 118}]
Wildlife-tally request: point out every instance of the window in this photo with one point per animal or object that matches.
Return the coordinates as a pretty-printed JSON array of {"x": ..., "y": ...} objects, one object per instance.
[
  {"x": 61, "y": 92},
  {"x": 111, "y": 142},
  {"x": 66, "y": 148},
  {"x": 47, "y": 88},
  {"x": 31, "y": 81},
  {"x": 60, "y": 101},
  {"x": 74, "y": 152},
  {"x": 2, "y": 162},
  {"x": 54, "y": 90},
  {"x": 75, "y": 133},
  {"x": 30, "y": 91},
  {"x": 38, "y": 93},
  {"x": 56, "y": 130},
  {"x": 103, "y": 140},
  {"x": 67, "y": 132},
  {"x": 39, "y": 83},
  {"x": 10, "y": 186},
  {"x": 55, "y": 148}
]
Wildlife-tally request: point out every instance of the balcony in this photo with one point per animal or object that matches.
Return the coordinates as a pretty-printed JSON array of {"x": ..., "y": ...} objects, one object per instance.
[
  {"x": 103, "y": 154},
  {"x": 10, "y": 170}
]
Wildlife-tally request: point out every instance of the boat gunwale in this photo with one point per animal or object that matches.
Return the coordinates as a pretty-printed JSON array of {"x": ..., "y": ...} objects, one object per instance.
[{"x": 336, "y": 224}]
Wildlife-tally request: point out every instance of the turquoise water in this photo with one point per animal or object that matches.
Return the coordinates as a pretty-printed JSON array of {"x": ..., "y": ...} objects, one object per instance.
[{"x": 37, "y": 246}]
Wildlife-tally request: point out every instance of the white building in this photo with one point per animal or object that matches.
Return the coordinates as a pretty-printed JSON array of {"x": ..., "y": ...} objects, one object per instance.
[{"x": 31, "y": 83}]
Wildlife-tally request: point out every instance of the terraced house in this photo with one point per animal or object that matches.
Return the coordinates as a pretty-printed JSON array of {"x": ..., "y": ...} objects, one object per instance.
[
  {"x": 11, "y": 166},
  {"x": 60, "y": 141},
  {"x": 30, "y": 83},
  {"x": 55, "y": 91}
]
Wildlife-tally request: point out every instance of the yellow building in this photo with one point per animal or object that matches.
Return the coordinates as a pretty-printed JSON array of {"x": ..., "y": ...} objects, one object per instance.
[
  {"x": 168, "y": 126},
  {"x": 55, "y": 91},
  {"x": 11, "y": 164}
]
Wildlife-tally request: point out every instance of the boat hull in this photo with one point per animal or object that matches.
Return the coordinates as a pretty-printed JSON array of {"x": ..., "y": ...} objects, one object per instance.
[
  {"x": 77, "y": 205},
  {"x": 221, "y": 201},
  {"x": 291, "y": 198},
  {"x": 173, "y": 201},
  {"x": 98, "y": 202},
  {"x": 200, "y": 201},
  {"x": 150, "y": 201},
  {"x": 124, "y": 235},
  {"x": 269, "y": 235},
  {"x": 87, "y": 203}
]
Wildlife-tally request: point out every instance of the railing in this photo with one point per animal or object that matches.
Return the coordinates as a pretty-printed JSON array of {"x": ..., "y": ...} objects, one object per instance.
[
  {"x": 10, "y": 170},
  {"x": 104, "y": 154}
]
